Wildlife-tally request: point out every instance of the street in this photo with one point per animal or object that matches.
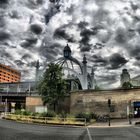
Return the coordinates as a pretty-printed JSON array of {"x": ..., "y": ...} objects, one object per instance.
[{"x": 10, "y": 130}]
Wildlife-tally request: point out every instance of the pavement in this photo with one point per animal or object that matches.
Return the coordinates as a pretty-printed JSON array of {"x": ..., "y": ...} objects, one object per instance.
[
  {"x": 116, "y": 123},
  {"x": 11, "y": 130}
]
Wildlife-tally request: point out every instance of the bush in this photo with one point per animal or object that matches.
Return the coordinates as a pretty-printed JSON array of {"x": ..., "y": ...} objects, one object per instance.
[
  {"x": 18, "y": 112},
  {"x": 48, "y": 114},
  {"x": 63, "y": 114},
  {"x": 26, "y": 113},
  {"x": 87, "y": 116},
  {"x": 93, "y": 115},
  {"x": 35, "y": 114}
]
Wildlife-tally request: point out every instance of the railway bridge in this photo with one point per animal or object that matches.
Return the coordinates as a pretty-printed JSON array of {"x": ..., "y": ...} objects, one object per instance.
[{"x": 13, "y": 95}]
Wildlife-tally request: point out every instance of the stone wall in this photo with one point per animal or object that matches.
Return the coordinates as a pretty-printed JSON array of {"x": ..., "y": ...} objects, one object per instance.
[{"x": 97, "y": 101}]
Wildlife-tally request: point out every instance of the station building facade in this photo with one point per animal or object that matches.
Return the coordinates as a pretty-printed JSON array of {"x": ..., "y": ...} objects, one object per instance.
[{"x": 124, "y": 102}]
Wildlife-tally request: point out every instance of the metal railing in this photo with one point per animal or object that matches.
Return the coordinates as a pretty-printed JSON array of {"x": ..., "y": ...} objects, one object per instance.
[
  {"x": 22, "y": 88},
  {"x": 17, "y": 87},
  {"x": 47, "y": 120}
]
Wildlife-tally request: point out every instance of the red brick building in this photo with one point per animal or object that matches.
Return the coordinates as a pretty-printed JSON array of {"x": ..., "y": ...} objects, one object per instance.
[{"x": 8, "y": 74}]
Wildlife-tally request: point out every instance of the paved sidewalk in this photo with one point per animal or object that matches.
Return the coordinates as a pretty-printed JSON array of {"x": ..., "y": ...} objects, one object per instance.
[{"x": 116, "y": 123}]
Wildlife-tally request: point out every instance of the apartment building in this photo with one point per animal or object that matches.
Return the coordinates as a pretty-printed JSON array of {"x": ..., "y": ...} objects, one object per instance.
[{"x": 8, "y": 74}]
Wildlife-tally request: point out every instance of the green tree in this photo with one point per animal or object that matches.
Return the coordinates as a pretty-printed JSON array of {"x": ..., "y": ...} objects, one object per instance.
[
  {"x": 97, "y": 88},
  {"x": 52, "y": 87},
  {"x": 127, "y": 85}
]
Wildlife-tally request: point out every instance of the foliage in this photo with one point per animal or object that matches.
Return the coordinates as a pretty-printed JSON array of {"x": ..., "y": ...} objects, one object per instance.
[
  {"x": 87, "y": 116},
  {"x": 48, "y": 114},
  {"x": 127, "y": 85},
  {"x": 18, "y": 112},
  {"x": 52, "y": 86},
  {"x": 35, "y": 114},
  {"x": 63, "y": 114},
  {"x": 1, "y": 89},
  {"x": 27, "y": 113},
  {"x": 97, "y": 88},
  {"x": 93, "y": 115}
]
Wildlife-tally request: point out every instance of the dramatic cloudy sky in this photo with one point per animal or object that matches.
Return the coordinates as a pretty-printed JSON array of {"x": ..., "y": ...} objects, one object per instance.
[{"x": 107, "y": 31}]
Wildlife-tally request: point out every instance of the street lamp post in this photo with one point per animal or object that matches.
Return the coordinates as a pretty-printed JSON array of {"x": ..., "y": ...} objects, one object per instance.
[
  {"x": 109, "y": 105},
  {"x": 6, "y": 106}
]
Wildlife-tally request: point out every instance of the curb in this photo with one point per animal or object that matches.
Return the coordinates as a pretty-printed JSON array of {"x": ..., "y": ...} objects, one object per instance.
[{"x": 96, "y": 126}]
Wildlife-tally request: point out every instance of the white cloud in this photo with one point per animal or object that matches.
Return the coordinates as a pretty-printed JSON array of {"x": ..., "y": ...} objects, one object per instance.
[{"x": 116, "y": 21}]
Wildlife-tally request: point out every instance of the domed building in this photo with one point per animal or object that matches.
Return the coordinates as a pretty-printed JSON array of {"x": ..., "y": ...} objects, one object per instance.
[{"x": 76, "y": 70}]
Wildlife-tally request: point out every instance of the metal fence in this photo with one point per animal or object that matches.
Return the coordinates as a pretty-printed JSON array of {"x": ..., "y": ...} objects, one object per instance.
[{"x": 46, "y": 120}]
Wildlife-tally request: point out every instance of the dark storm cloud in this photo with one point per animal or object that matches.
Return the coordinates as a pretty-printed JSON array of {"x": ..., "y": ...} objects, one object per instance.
[
  {"x": 60, "y": 33},
  {"x": 36, "y": 28},
  {"x": 50, "y": 52},
  {"x": 4, "y": 1},
  {"x": 134, "y": 6},
  {"x": 54, "y": 1},
  {"x": 52, "y": 11},
  {"x": 83, "y": 24},
  {"x": 29, "y": 42},
  {"x": 56, "y": 46},
  {"x": 26, "y": 56},
  {"x": 2, "y": 21},
  {"x": 4, "y": 4},
  {"x": 32, "y": 4},
  {"x": 19, "y": 62},
  {"x": 135, "y": 52},
  {"x": 70, "y": 9},
  {"x": 100, "y": 15},
  {"x": 39, "y": 1},
  {"x": 84, "y": 42},
  {"x": 4, "y": 35},
  {"x": 116, "y": 61},
  {"x": 98, "y": 60},
  {"x": 14, "y": 14},
  {"x": 25, "y": 72},
  {"x": 98, "y": 46},
  {"x": 138, "y": 28},
  {"x": 86, "y": 33},
  {"x": 121, "y": 36},
  {"x": 5, "y": 55},
  {"x": 86, "y": 48},
  {"x": 32, "y": 64},
  {"x": 108, "y": 77},
  {"x": 136, "y": 18}
]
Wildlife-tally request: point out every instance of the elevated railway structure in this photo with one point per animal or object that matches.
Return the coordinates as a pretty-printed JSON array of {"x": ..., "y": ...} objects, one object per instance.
[{"x": 13, "y": 95}]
